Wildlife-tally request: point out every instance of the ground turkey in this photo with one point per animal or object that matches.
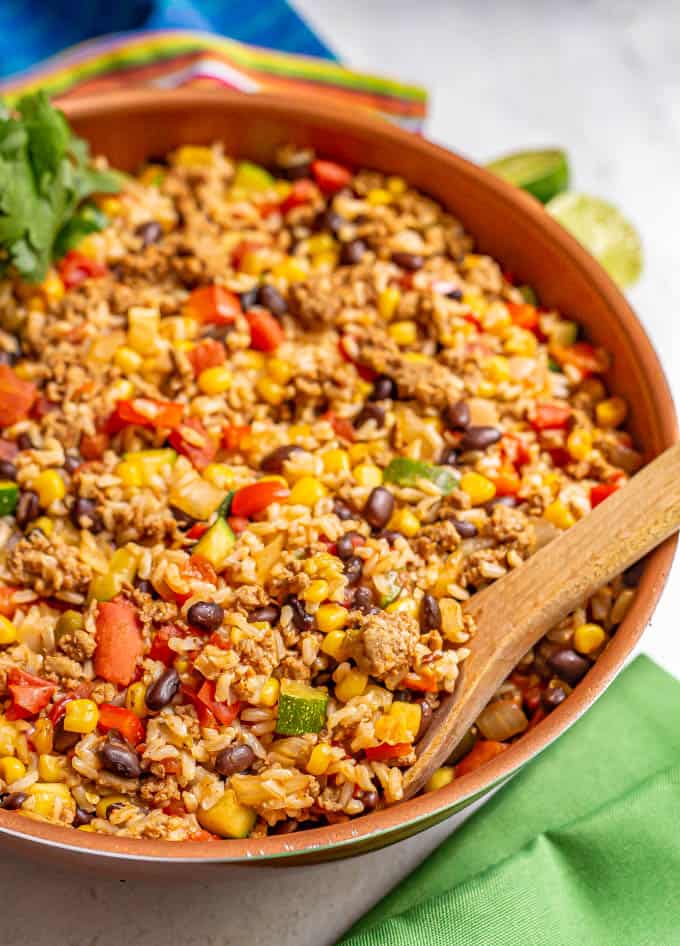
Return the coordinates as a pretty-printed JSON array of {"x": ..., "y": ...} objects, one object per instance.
[
  {"x": 47, "y": 567},
  {"x": 389, "y": 641}
]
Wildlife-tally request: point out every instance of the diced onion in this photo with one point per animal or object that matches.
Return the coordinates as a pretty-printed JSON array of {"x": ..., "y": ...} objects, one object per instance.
[{"x": 501, "y": 720}]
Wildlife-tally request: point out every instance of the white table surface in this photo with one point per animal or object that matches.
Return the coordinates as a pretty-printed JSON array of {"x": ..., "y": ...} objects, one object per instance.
[{"x": 603, "y": 79}]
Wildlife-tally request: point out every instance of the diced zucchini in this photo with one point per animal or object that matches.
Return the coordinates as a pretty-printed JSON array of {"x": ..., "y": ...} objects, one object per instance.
[
  {"x": 9, "y": 497},
  {"x": 405, "y": 472},
  {"x": 216, "y": 544},
  {"x": 302, "y": 708},
  {"x": 392, "y": 591},
  {"x": 528, "y": 294},
  {"x": 195, "y": 496},
  {"x": 228, "y": 817},
  {"x": 224, "y": 509},
  {"x": 252, "y": 177},
  {"x": 122, "y": 570},
  {"x": 563, "y": 334}
]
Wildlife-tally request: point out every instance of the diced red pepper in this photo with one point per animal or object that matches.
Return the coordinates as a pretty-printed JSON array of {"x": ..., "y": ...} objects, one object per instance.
[
  {"x": 551, "y": 416},
  {"x": 249, "y": 500},
  {"x": 237, "y": 524},
  {"x": 213, "y": 305},
  {"x": 124, "y": 720},
  {"x": 7, "y": 606},
  {"x": 560, "y": 457},
  {"x": 265, "y": 332},
  {"x": 424, "y": 682},
  {"x": 330, "y": 177},
  {"x": 8, "y": 449},
  {"x": 365, "y": 372},
  {"x": 197, "y": 530},
  {"x": 342, "y": 426},
  {"x": 484, "y": 751},
  {"x": 582, "y": 355},
  {"x": 537, "y": 716},
  {"x": 207, "y": 708},
  {"x": 145, "y": 412},
  {"x": 515, "y": 450},
  {"x": 16, "y": 397},
  {"x": 29, "y": 693},
  {"x": 532, "y": 698},
  {"x": 75, "y": 268},
  {"x": 386, "y": 751},
  {"x": 599, "y": 493},
  {"x": 302, "y": 192},
  {"x": 506, "y": 481},
  {"x": 523, "y": 314},
  {"x": 119, "y": 642},
  {"x": 200, "y": 456},
  {"x": 236, "y": 437},
  {"x": 160, "y": 649},
  {"x": 93, "y": 447},
  {"x": 207, "y": 354}
]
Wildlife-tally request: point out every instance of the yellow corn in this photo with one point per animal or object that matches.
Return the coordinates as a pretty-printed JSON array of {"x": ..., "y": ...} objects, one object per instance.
[
  {"x": 486, "y": 389},
  {"x": 279, "y": 370},
  {"x": 406, "y": 522},
  {"x": 220, "y": 475},
  {"x": 520, "y": 341},
  {"x": 49, "y": 797},
  {"x": 111, "y": 206},
  {"x": 254, "y": 262},
  {"x": 45, "y": 525},
  {"x": 52, "y": 768},
  {"x": 129, "y": 472},
  {"x": 559, "y": 515},
  {"x": 320, "y": 243},
  {"x": 397, "y": 185},
  {"x": 403, "y": 333},
  {"x": 320, "y": 759},
  {"x": 104, "y": 804},
  {"x": 316, "y": 591},
  {"x": 368, "y": 475},
  {"x": 478, "y": 488},
  {"x": 378, "y": 197},
  {"x": 298, "y": 432},
  {"x": 496, "y": 368},
  {"x": 443, "y": 776},
  {"x": 594, "y": 388},
  {"x": 403, "y": 605},
  {"x": 127, "y": 359},
  {"x": 326, "y": 261},
  {"x": 8, "y": 737},
  {"x": 331, "y": 617},
  {"x": 181, "y": 664},
  {"x": 49, "y": 486},
  {"x": 335, "y": 460},
  {"x": 612, "y": 412},
  {"x": 360, "y": 451},
  {"x": 335, "y": 645},
  {"x": 476, "y": 304},
  {"x": 588, "y": 638},
  {"x": 579, "y": 443},
  {"x": 11, "y": 769},
  {"x": 190, "y": 156},
  {"x": 52, "y": 287},
  {"x": 416, "y": 357},
  {"x": 270, "y": 391},
  {"x": 269, "y": 694},
  {"x": 81, "y": 716},
  {"x": 143, "y": 329},
  {"x": 292, "y": 269},
  {"x": 43, "y": 736},
  {"x": 8, "y": 632},
  {"x": 252, "y": 360},
  {"x": 388, "y": 302},
  {"x": 352, "y": 684},
  {"x": 307, "y": 492},
  {"x": 215, "y": 380},
  {"x": 135, "y": 699},
  {"x": 121, "y": 390}
]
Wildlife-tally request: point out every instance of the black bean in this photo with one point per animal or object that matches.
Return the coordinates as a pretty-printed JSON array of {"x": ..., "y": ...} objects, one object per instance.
[
  {"x": 330, "y": 220},
  {"x": 425, "y": 718},
  {"x": 344, "y": 547},
  {"x": 632, "y": 575},
  {"x": 7, "y": 358},
  {"x": 13, "y": 801},
  {"x": 149, "y": 232},
  {"x": 383, "y": 387},
  {"x": 27, "y": 509},
  {"x": 509, "y": 501},
  {"x": 363, "y": 599},
  {"x": 248, "y": 298},
  {"x": 7, "y": 470},
  {"x": 183, "y": 520},
  {"x": 205, "y": 615},
  {"x": 271, "y": 299},
  {"x": 552, "y": 697},
  {"x": 289, "y": 826},
  {"x": 410, "y": 261},
  {"x": 369, "y": 412},
  {"x": 466, "y": 744},
  {"x": 379, "y": 507},
  {"x": 84, "y": 515},
  {"x": 145, "y": 586},
  {"x": 24, "y": 442},
  {"x": 163, "y": 689},
  {"x": 294, "y": 163},
  {"x": 568, "y": 665},
  {"x": 301, "y": 620},
  {"x": 456, "y": 294},
  {"x": 63, "y": 740},
  {"x": 353, "y": 568},
  {"x": 270, "y": 614},
  {"x": 342, "y": 510},
  {"x": 449, "y": 456},
  {"x": 274, "y": 461},
  {"x": 120, "y": 759},
  {"x": 71, "y": 462},
  {"x": 479, "y": 438},
  {"x": 430, "y": 614},
  {"x": 352, "y": 252},
  {"x": 370, "y": 800},
  {"x": 81, "y": 817},
  {"x": 234, "y": 759},
  {"x": 457, "y": 416},
  {"x": 465, "y": 529},
  {"x": 403, "y": 696},
  {"x": 389, "y": 535}
]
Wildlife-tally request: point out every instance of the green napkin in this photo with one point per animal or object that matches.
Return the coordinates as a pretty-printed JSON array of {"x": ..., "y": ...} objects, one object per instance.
[{"x": 582, "y": 848}]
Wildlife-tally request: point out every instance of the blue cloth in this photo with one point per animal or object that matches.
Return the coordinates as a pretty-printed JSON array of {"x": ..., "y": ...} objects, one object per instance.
[{"x": 32, "y": 30}]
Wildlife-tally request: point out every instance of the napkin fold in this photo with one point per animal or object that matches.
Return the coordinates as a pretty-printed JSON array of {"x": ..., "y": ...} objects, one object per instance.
[{"x": 581, "y": 847}]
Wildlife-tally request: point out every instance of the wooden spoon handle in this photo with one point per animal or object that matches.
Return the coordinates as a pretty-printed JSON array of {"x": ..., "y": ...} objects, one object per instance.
[{"x": 514, "y": 612}]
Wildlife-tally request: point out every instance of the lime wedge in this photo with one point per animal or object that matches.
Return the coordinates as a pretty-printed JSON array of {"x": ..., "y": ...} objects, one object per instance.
[
  {"x": 542, "y": 173},
  {"x": 604, "y": 231}
]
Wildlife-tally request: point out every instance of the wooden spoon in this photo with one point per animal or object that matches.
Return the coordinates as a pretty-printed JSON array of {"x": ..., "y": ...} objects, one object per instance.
[{"x": 514, "y": 612}]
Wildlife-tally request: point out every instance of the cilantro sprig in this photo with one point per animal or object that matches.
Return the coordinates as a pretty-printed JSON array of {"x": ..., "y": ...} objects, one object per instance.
[{"x": 45, "y": 180}]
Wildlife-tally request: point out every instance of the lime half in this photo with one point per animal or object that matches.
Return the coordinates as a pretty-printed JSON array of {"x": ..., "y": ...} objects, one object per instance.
[
  {"x": 604, "y": 231},
  {"x": 542, "y": 173}
]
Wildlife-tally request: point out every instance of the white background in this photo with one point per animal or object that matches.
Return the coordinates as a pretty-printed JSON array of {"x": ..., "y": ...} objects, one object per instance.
[{"x": 601, "y": 78}]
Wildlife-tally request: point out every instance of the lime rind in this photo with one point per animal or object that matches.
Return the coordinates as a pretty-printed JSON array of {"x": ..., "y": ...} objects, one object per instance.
[{"x": 544, "y": 174}]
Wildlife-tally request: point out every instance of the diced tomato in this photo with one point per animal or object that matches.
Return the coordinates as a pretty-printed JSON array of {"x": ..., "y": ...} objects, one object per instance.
[
  {"x": 42, "y": 407},
  {"x": 7, "y": 606},
  {"x": 160, "y": 649},
  {"x": 75, "y": 268},
  {"x": 124, "y": 720},
  {"x": 197, "y": 530},
  {"x": 506, "y": 481},
  {"x": 483, "y": 751},
  {"x": 515, "y": 450},
  {"x": 599, "y": 493},
  {"x": 207, "y": 354},
  {"x": 249, "y": 500},
  {"x": 119, "y": 642},
  {"x": 207, "y": 708},
  {"x": 265, "y": 332},
  {"x": 364, "y": 371},
  {"x": 582, "y": 355},
  {"x": 199, "y": 569},
  {"x": 342, "y": 426},
  {"x": 203, "y": 836},
  {"x": 213, "y": 305},
  {"x": 424, "y": 682},
  {"x": 386, "y": 751},
  {"x": 93, "y": 447},
  {"x": 302, "y": 192},
  {"x": 145, "y": 412},
  {"x": 560, "y": 457},
  {"x": 200, "y": 456},
  {"x": 16, "y": 397},
  {"x": 29, "y": 693},
  {"x": 8, "y": 449},
  {"x": 237, "y": 524},
  {"x": 551, "y": 416},
  {"x": 523, "y": 314},
  {"x": 330, "y": 177},
  {"x": 532, "y": 698},
  {"x": 235, "y": 437}
]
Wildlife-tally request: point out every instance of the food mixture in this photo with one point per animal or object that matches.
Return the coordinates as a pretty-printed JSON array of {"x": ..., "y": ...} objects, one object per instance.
[{"x": 262, "y": 433}]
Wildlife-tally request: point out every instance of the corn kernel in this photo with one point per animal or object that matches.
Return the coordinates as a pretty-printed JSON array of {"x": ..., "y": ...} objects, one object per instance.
[
  {"x": 254, "y": 262},
  {"x": 443, "y": 776},
  {"x": 49, "y": 486},
  {"x": 270, "y": 391},
  {"x": 121, "y": 390},
  {"x": 406, "y": 522},
  {"x": 320, "y": 243},
  {"x": 269, "y": 694},
  {"x": 129, "y": 472},
  {"x": 378, "y": 197},
  {"x": 105, "y": 804},
  {"x": 612, "y": 412},
  {"x": 11, "y": 769},
  {"x": 368, "y": 475},
  {"x": 403, "y": 333},
  {"x": 416, "y": 357},
  {"x": 42, "y": 736},
  {"x": 45, "y": 525},
  {"x": 215, "y": 380},
  {"x": 111, "y": 206},
  {"x": 496, "y": 369},
  {"x": 252, "y": 360},
  {"x": 404, "y": 605},
  {"x": 594, "y": 388},
  {"x": 220, "y": 475},
  {"x": 291, "y": 269},
  {"x": 359, "y": 451},
  {"x": 588, "y": 638},
  {"x": 51, "y": 768},
  {"x": 478, "y": 488},
  {"x": 181, "y": 664},
  {"x": 279, "y": 370},
  {"x": 50, "y": 797},
  {"x": 143, "y": 329},
  {"x": 397, "y": 185},
  {"x": 135, "y": 699},
  {"x": 486, "y": 389},
  {"x": 299, "y": 432},
  {"x": 320, "y": 759},
  {"x": 52, "y": 287},
  {"x": 8, "y": 632},
  {"x": 579, "y": 443},
  {"x": 388, "y": 302},
  {"x": 316, "y": 591},
  {"x": 307, "y": 492},
  {"x": 335, "y": 645},
  {"x": 127, "y": 359},
  {"x": 189, "y": 156},
  {"x": 559, "y": 515},
  {"x": 331, "y": 617},
  {"x": 352, "y": 684},
  {"x": 476, "y": 304},
  {"x": 325, "y": 261},
  {"x": 520, "y": 341},
  {"x": 335, "y": 461},
  {"x": 81, "y": 716}
]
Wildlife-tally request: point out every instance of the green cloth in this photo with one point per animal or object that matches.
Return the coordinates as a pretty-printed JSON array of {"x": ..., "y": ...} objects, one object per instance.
[{"x": 581, "y": 848}]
